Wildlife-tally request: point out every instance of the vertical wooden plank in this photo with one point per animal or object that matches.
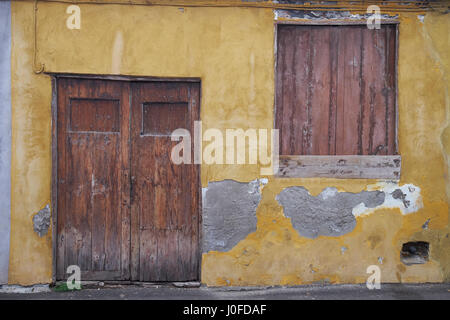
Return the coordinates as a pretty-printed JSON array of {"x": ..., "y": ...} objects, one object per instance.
[
  {"x": 390, "y": 92},
  {"x": 367, "y": 92},
  {"x": 106, "y": 235},
  {"x": 378, "y": 102},
  {"x": 287, "y": 54},
  {"x": 300, "y": 137},
  {"x": 352, "y": 74},
  {"x": 333, "y": 53},
  {"x": 124, "y": 181},
  {"x": 99, "y": 203},
  {"x": 306, "y": 142},
  {"x": 135, "y": 129},
  {"x": 79, "y": 214},
  {"x": 340, "y": 92},
  {"x": 194, "y": 221},
  {"x": 320, "y": 90}
]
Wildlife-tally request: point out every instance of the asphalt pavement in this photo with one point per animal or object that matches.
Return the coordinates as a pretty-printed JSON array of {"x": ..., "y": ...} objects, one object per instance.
[{"x": 307, "y": 292}]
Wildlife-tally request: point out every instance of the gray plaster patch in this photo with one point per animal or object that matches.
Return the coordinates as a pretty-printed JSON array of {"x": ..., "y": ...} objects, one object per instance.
[
  {"x": 328, "y": 214},
  {"x": 41, "y": 221},
  {"x": 229, "y": 213}
]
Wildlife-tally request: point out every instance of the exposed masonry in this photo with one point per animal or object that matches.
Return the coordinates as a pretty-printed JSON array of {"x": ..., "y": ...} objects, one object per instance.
[
  {"x": 229, "y": 213},
  {"x": 41, "y": 221},
  {"x": 406, "y": 197},
  {"x": 328, "y": 214},
  {"x": 325, "y": 15}
]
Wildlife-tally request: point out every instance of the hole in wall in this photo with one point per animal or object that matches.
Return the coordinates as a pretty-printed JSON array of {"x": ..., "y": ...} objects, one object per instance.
[{"x": 415, "y": 252}]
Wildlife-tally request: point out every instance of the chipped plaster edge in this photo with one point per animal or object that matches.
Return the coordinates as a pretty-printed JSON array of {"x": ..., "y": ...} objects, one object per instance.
[
  {"x": 254, "y": 187},
  {"x": 412, "y": 196},
  {"x": 38, "y": 288}
]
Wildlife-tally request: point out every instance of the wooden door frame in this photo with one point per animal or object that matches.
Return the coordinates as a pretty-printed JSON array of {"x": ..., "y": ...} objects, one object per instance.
[{"x": 54, "y": 149}]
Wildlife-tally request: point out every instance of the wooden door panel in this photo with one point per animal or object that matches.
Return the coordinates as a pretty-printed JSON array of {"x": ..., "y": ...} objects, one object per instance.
[
  {"x": 93, "y": 130},
  {"x": 165, "y": 197},
  {"x": 120, "y": 219}
]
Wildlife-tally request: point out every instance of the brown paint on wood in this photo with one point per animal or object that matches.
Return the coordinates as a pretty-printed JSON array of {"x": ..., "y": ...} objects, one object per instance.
[
  {"x": 89, "y": 170},
  {"x": 163, "y": 118},
  {"x": 99, "y": 115},
  {"x": 164, "y": 195},
  {"x": 338, "y": 88},
  {"x": 320, "y": 95},
  {"x": 332, "y": 103},
  {"x": 125, "y": 211},
  {"x": 390, "y": 93}
]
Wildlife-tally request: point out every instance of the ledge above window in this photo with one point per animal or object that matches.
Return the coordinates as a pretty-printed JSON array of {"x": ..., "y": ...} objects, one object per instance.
[{"x": 340, "y": 167}]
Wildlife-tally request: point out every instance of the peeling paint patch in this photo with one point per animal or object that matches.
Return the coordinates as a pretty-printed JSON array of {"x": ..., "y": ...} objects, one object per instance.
[
  {"x": 328, "y": 214},
  {"x": 41, "y": 221},
  {"x": 425, "y": 225},
  {"x": 229, "y": 213},
  {"x": 407, "y": 198}
]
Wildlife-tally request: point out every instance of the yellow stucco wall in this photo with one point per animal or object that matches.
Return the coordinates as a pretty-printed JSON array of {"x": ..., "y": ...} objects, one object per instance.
[{"x": 232, "y": 51}]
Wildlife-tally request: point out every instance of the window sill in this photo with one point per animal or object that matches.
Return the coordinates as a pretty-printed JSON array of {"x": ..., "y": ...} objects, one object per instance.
[{"x": 340, "y": 167}]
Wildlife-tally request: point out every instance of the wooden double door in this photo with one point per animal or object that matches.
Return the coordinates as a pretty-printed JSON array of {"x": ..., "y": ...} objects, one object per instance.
[{"x": 125, "y": 211}]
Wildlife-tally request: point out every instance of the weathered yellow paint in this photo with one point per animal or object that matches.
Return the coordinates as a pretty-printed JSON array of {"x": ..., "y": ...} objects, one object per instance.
[
  {"x": 232, "y": 51},
  {"x": 30, "y": 256}
]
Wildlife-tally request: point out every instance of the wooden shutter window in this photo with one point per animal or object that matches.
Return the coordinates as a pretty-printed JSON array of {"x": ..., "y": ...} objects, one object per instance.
[{"x": 336, "y": 98}]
